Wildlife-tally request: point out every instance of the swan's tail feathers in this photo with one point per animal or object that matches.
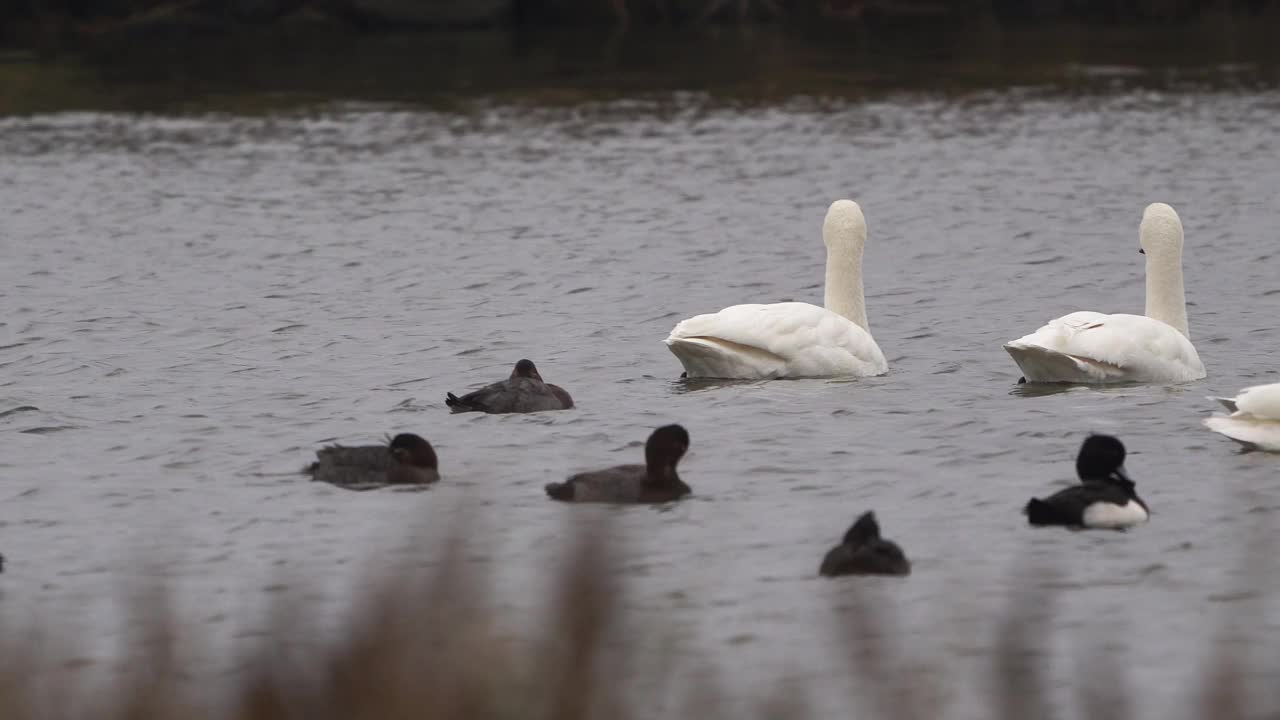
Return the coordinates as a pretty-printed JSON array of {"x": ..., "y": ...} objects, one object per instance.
[
  {"x": 560, "y": 491},
  {"x": 712, "y": 357},
  {"x": 1040, "y": 512},
  {"x": 1228, "y": 403},
  {"x": 1040, "y": 364}
]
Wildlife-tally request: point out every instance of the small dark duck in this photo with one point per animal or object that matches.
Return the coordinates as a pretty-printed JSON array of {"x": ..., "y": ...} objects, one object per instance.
[
  {"x": 523, "y": 392},
  {"x": 654, "y": 482},
  {"x": 406, "y": 460},
  {"x": 864, "y": 552}
]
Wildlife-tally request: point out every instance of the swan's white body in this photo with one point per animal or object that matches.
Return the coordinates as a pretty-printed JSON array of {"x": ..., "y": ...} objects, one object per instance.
[
  {"x": 1091, "y": 347},
  {"x": 792, "y": 339},
  {"x": 1254, "y": 420},
  {"x": 1096, "y": 348}
]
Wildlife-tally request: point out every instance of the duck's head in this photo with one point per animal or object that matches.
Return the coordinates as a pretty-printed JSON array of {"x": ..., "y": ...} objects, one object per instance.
[
  {"x": 666, "y": 446},
  {"x": 1101, "y": 457},
  {"x": 525, "y": 369},
  {"x": 864, "y": 530},
  {"x": 411, "y": 449},
  {"x": 1160, "y": 233}
]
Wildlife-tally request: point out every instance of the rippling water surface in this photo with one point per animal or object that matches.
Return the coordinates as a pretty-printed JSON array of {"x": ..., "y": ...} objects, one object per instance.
[{"x": 193, "y": 304}]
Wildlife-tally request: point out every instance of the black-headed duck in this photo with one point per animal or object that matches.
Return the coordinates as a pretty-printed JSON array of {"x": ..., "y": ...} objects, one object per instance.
[{"x": 1105, "y": 498}]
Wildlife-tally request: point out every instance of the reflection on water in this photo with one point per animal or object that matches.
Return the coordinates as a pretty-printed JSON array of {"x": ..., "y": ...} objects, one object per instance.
[
  {"x": 688, "y": 385},
  {"x": 1039, "y": 389}
]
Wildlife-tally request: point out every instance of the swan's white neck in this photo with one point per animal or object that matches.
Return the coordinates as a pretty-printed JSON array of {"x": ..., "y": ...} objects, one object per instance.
[
  {"x": 1166, "y": 300},
  {"x": 844, "y": 278}
]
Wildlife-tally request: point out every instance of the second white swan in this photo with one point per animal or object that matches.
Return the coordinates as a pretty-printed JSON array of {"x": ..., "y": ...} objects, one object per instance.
[
  {"x": 1096, "y": 348},
  {"x": 1254, "y": 420},
  {"x": 792, "y": 339}
]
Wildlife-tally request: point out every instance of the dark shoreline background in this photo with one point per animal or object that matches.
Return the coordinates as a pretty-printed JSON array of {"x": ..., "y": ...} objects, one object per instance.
[
  {"x": 287, "y": 66},
  {"x": 60, "y": 24}
]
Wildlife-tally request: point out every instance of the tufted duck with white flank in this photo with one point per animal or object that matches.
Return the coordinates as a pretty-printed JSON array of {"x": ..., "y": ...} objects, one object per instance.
[
  {"x": 1095, "y": 348},
  {"x": 1254, "y": 421},
  {"x": 1105, "y": 497},
  {"x": 407, "y": 460},
  {"x": 864, "y": 552},
  {"x": 654, "y": 482},
  {"x": 523, "y": 392}
]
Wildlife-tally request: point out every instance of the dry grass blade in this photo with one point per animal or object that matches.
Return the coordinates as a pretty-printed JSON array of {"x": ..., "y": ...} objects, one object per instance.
[
  {"x": 877, "y": 665},
  {"x": 430, "y": 647},
  {"x": 1106, "y": 693},
  {"x": 1227, "y": 693},
  {"x": 1018, "y": 687},
  {"x": 582, "y": 615}
]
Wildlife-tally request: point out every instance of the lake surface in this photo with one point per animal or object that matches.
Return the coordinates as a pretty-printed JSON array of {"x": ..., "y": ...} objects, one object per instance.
[{"x": 194, "y": 301}]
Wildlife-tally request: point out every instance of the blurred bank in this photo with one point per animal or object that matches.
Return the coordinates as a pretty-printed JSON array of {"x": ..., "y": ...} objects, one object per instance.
[{"x": 56, "y": 23}]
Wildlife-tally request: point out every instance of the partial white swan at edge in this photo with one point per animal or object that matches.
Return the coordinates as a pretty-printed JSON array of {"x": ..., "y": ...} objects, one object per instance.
[
  {"x": 1096, "y": 348},
  {"x": 1254, "y": 420},
  {"x": 792, "y": 339}
]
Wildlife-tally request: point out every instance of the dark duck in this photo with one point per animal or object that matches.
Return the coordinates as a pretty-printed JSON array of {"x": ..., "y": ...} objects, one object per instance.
[
  {"x": 654, "y": 482},
  {"x": 407, "y": 460},
  {"x": 864, "y": 552},
  {"x": 523, "y": 392}
]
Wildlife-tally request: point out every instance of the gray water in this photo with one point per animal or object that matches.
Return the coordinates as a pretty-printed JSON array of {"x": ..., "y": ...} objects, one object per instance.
[{"x": 193, "y": 303}]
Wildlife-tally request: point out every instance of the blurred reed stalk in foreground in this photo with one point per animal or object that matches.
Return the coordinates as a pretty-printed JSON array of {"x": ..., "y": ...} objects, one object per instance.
[{"x": 431, "y": 647}]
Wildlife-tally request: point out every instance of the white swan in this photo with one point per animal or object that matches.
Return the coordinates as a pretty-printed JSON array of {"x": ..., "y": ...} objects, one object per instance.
[
  {"x": 792, "y": 339},
  {"x": 1090, "y": 347},
  {"x": 1254, "y": 420}
]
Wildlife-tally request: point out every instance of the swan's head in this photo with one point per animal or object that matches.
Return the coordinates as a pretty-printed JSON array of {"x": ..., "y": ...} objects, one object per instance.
[
  {"x": 844, "y": 224},
  {"x": 1160, "y": 232}
]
